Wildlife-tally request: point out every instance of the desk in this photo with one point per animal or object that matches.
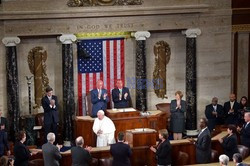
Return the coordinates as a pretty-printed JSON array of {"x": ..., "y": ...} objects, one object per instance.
[
  {"x": 123, "y": 121},
  {"x": 144, "y": 156}
]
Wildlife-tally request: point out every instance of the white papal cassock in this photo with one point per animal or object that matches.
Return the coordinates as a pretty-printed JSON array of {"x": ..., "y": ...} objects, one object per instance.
[{"x": 108, "y": 131}]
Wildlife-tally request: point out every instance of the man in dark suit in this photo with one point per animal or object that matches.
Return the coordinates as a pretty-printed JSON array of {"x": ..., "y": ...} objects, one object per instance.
[
  {"x": 121, "y": 152},
  {"x": 231, "y": 110},
  {"x": 99, "y": 98},
  {"x": 80, "y": 156},
  {"x": 120, "y": 95},
  {"x": 237, "y": 158},
  {"x": 214, "y": 114},
  {"x": 50, "y": 106},
  {"x": 3, "y": 141},
  {"x": 203, "y": 143},
  {"x": 51, "y": 153},
  {"x": 4, "y": 121},
  {"x": 245, "y": 131}
]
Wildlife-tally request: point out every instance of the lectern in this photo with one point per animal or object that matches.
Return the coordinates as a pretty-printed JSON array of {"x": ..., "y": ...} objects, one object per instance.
[{"x": 141, "y": 137}]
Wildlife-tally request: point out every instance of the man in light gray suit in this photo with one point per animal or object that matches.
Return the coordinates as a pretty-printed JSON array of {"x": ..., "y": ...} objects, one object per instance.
[
  {"x": 203, "y": 143},
  {"x": 51, "y": 153}
]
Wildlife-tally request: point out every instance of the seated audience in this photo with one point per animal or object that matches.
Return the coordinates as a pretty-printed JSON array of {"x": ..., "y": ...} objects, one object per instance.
[
  {"x": 242, "y": 110},
  {"x": 99, "y": 98},
  {"x": 3, "y": 120},
  {"x": 80, "y": 155},
  {"x": 231, "y": 110},
  {"x": 3, "y": 141},
  {"x": 203, "y": 143},
  {"x": 51, "y": 153},
  {"x": 163, "y": 149},
  {"x": 120, "y": 95},
  {"x": 237, "y": 158},
  {"x": 245, "y": 131},
  {"x": 104, "y": 128},
  {"x": 21, "y": 152},
  {"x": 4, "y": 161},
  {"x": 214, "y": 114},
  {"x": 224, "y": 160},
  {"x": 229, "y": 143},
  {"x": 121, "y": 151}
]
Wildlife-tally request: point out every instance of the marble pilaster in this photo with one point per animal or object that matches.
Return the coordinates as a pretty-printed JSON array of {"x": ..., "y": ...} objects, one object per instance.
[{"x": 68, "y": 84}]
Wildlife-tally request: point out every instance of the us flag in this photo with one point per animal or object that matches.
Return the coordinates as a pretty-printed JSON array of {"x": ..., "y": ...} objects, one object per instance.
[{"x": 104, "y": 61}]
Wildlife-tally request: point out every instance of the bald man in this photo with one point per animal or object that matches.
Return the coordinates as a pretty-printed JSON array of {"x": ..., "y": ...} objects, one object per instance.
[
  {"x": 231, "y": 110},
  {"x": 214, "y": 114},
  {"x": 104, "y": 128},
  {"x": 245, "y": 131},
  {"x": 99, "y": 98}
]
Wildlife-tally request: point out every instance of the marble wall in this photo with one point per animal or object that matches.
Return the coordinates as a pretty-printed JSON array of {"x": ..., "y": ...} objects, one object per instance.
[{"x": 213, "y": 17}]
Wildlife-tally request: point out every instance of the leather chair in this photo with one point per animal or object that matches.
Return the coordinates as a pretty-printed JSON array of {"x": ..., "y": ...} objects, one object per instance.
[
  {"x": 182, "y": 158},
  {"x": 244, "y": 151},
  {"x": 88, "y": 104},
  {"x": 106, "y": 161},
  {"x": 165, "y": 107},
  {"x": 36, "y": 162},
  {"x": 214, "y": 156}
]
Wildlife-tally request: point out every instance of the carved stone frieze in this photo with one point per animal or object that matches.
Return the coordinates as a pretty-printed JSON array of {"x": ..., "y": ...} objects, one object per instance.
[{"x": 87, "y": 3}]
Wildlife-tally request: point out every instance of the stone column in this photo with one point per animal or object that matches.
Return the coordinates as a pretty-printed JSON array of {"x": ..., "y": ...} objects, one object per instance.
[
  {"x": 12, "y": 84},
  {"x": 68, "y": 84},
  {"x": 191, "y": 88},
  {"x": 141, "y": 73}
]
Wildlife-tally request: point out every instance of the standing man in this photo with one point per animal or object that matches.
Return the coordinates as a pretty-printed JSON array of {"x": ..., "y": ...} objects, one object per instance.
[
  {"x": 120, "y": 95},
  {"x": 203, "y": 143},
  {"x": 80, "y": 156},
  {"x": 104, "y": 128},
  {"x": 50, "y": 106},
  {"x": 214, "y": 114},
  {"x": 51, "y": 153},
  {"x": 245, "y": 131},
  {"x": 3, "y": 141},
  {"x": 121, "y": 151},
  {"x": 99, "y": 98},
  {"x": 231, "y": 110}
]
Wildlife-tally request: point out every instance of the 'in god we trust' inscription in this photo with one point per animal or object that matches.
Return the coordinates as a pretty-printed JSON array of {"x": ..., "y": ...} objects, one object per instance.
[{"x": 95, "y": 27}]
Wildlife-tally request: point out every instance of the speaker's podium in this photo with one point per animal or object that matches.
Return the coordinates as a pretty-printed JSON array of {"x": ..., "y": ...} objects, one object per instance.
[{"x": 141, "y": 137}]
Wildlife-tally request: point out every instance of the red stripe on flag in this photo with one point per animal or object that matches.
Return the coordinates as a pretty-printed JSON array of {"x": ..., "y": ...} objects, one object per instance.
[
  {"x": 122, "y": 61},
  {"x": 101, "y": 76},
  {"x": 87, "y": 83},
  {"x": 108, "y": 64},
  {"x": 94, "y": 80},
  {"x": 115, "y": 62},
  {"x": 80, "y": 93}
]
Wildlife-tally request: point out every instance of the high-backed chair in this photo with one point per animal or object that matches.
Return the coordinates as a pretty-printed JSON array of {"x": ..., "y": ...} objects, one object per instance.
[
  {"x": 182, "y": 158},
  {"x": 244, "y": 151},
  {"x": 214, "y": 156},
  {"x": 106, "y": 161},
  {"x": 165, "y": 107},
  {"x": 88, "y": 104}
]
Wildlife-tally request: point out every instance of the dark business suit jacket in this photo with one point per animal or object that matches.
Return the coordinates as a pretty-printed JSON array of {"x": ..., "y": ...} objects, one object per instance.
[
  {"x": 212, "y": 119},
  {"x": 230, "y": 145},
  {"x": 5, "y": 122},
  {"x": 3, "y": 142},
  {"x": 163, "y": 153},
  {"x": 50, "y": 114},
  {"x": 51, "y": 155},
  {"x": 98, "y": 104},
  {"x": 231, "y": 118},
  {"x": 121, "y": 153},
  {"x": 203, "y": 147},
  {"x": 80, "y": 156},
  {"x": 123, "y": 103},
  {"x": 22, "y": 154},
  {"x": 177, "y": 121},
  {"x": 245, "y": 135}
]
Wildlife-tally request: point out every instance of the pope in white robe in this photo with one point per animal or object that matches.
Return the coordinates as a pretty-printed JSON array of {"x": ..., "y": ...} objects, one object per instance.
[{"x": 104, "y": 128}]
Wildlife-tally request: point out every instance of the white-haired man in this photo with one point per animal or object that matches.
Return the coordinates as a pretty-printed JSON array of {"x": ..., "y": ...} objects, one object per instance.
[
  {"x": 104, "y": 128},
  {"x": 223, "y": 159},
  {"x": 80, "y": 155},
  {"x": 51, "y": 153}
]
